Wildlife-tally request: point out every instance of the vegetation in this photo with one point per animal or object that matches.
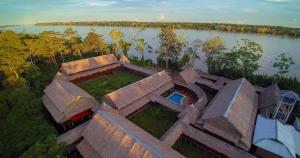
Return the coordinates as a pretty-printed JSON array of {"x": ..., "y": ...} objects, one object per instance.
[
  {"x": 259, "y": 29},
  {"x": 190, "y": 149},
  {"x": 52, "y": 149},
  {"x": 283, "y": 63},
  {"x": 174, "y": 50},
  {"x": 28, "y": 62},
  {"x": 116, "y": 36},
  {"x": 102, "y": 85},
  {"x": 154, "y": 119},
  {"x": 170, "y": 46}
]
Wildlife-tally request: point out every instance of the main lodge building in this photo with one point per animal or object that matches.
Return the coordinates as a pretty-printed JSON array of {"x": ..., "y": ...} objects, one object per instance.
[{"x": 215, "y": 115}]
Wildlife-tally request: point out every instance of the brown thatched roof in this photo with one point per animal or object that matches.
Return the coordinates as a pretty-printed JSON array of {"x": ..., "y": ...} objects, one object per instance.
[
  {"x": 231, "y": 114},
  {"x": 64, "y": 99},
  {"x": 126, "y": 95},
  {"x": 88, "y": 64},
  {"x": 111, "y": 135},
  {"x": 269, "y": 96},
  {"x": 124, "y": 59},
  {"x": 189, "y": 75}
]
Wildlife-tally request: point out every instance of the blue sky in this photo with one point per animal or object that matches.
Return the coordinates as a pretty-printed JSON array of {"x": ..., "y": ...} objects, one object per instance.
[{"x": 269, "y": 12}]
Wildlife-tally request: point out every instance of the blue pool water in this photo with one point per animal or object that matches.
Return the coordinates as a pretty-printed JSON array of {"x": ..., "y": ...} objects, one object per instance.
[{"x": 176, "y": 98}]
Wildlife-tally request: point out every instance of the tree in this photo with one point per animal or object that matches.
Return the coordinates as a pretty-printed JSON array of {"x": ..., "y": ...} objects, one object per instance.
[
  {"x": 140, "y": 46},
  {"x": 50, "y": 44},
  {"x": 12, "y": 55},
  {"x": 192, "y": 52},
  {"x": 74, "y": 42},
  {"x": 12, "y": 61},
  {"x": 243, "y": 57},
  {"x": 283, "y": 62},
  {"x": 116, "y": 36},
  {"x": 170, "y": 46},
  {"x": 125, "y": 46},
  {"x": 69, "y": 33},
  {"x": 213, "y": 49},
  {"x": 45, "y": 149},
  {"x": 94, "y": 43}
]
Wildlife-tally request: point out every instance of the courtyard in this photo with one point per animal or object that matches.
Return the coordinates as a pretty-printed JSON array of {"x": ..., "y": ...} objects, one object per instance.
[
  {"x": 101, "y": 85},
  {"x": 154, "y": 118}
]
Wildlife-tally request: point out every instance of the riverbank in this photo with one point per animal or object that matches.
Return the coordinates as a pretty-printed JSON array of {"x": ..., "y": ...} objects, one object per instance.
[{"x": 240, "y": 28}]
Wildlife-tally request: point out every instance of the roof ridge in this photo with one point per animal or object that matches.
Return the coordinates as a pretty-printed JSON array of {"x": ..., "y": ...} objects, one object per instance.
[{"x": 233, "y": 100}]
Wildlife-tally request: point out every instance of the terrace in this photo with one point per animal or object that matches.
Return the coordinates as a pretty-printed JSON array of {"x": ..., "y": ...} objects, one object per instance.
[{"x": 154, "y": 118}]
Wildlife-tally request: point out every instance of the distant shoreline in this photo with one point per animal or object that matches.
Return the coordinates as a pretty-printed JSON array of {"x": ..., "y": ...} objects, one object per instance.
[
  {"x": 4, "y": 26},
  {"x": 239, "y": 28}
]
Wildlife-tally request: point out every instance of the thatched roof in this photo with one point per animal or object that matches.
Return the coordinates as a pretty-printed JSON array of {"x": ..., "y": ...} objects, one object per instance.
[
  {"x": 111, "y": 135},
  {"x": 231, "y": 114},
  {"x": 189, "y": 75},
  {"x": 88, "y": 64},
  {"x": 269, "y": 96},
  {"x": 64, "y": 99},
  {"x": 124, "y": 59},
  {"x": 126, "y": 95}
]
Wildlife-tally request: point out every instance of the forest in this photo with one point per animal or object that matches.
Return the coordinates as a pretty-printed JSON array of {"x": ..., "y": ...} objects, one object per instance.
[
  {"x": 28, "y": 62},
  {"x": 240, "y": 28}
]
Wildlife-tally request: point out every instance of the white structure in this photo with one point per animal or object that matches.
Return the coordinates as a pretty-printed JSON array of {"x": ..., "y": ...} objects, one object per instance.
[
  {"x": 285, "y": 105},
  {"x": 297, "y": 123},
  {"x": 276, "y": 137}
]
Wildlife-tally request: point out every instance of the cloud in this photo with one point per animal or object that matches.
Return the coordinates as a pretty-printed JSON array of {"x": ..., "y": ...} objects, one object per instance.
[
  {"x": 96, "y": 3},
  {"x": 277, "y": 1},
  {"x": 161, "y": 17}
]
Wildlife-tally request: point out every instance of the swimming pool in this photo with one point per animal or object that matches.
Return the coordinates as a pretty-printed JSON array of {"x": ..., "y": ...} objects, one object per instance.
[{"x": 176, "y": 98}]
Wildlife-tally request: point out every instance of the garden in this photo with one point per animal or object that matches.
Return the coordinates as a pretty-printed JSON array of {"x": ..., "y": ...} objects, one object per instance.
[
  {"x": 154, "y": 118},
  {"x": 99, "y": 86},
  {"x": 191, "y": 149}
]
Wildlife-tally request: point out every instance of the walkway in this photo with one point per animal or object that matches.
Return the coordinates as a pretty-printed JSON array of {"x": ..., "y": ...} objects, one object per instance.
[{"x": 215, "y": 143}]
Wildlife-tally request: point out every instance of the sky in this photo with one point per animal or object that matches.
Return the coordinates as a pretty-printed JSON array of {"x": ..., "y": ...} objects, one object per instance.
[{"x": 265, "y": 12}]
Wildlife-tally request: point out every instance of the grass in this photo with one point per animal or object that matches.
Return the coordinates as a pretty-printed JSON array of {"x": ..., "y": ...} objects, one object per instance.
[
  {"x": 189, "y": 149},
  {"x": 105, "y": 84},
  {"x": 154, "y": 119}
]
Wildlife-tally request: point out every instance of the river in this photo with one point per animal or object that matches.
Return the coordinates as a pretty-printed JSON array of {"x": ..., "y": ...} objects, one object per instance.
[{"x": 272, "y": 45}]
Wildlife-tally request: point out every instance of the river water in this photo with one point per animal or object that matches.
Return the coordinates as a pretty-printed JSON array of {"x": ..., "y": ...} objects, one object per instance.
[{"x": 272, "y": 45}]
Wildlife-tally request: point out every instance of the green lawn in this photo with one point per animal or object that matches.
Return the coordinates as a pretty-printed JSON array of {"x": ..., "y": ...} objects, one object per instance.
[
  {"x": 189, "y": 149},
  {"x": 105, "y": 84},
  {"x": 154, "y": 119}
]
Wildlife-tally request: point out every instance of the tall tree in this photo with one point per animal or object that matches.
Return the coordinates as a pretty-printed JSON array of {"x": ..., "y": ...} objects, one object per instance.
[
  {"x": 50, "y": 44},
  {"x": 70, "y": 33},
  {"x": 170, "y": 46},
  {"x": 125, "y": 46},
  {"x": 213, "y": 49},
  {"x": 12, "y": 61},
  {"x": 283, "y": 62},
  {"x": 94, "y": 43},
  {"x": 74, "y": 42},
  {"x": 12, "y": 55},
  {"x": 243, "y": 58},
  {"x": 140, "y": 47},
  {"x": 116, "y": 36}
]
